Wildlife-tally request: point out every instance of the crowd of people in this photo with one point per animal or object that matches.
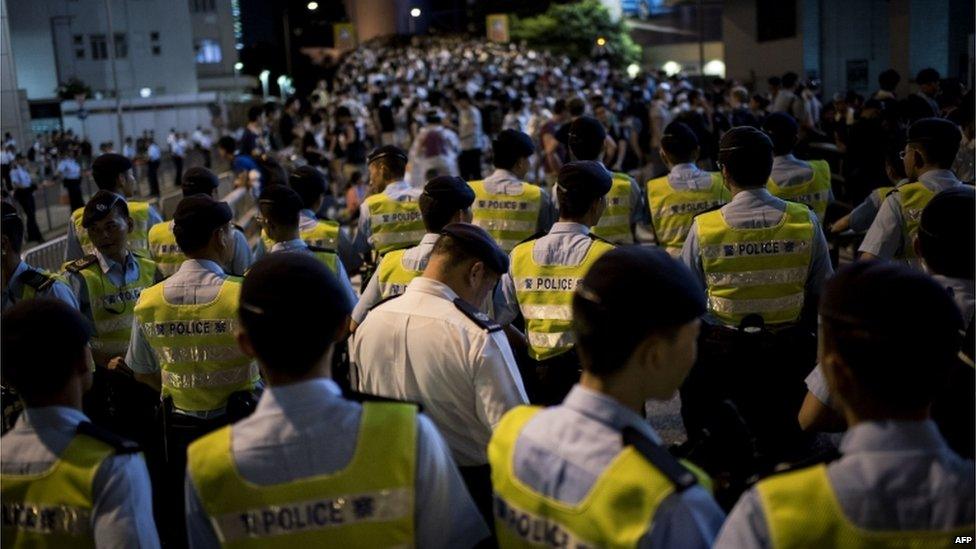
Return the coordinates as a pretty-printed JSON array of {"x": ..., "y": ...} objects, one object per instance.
[{"x": 544, "y": 247}]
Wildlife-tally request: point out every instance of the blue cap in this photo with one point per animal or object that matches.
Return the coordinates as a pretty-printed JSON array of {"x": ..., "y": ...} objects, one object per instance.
[
  {"x": 476, "y": 241},
  {"x": 585, "y": 179}
]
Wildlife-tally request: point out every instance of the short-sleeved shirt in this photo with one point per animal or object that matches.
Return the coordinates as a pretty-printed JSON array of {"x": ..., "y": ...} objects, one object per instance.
[
  {"x": 69, "y": 169},
  {"x": 14, "y": 291},
  {"x": 502, "y": 181},
  {"x": 414, "y": 258}
]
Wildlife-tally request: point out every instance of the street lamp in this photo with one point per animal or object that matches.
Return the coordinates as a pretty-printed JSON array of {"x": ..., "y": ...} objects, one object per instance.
[
  {"x": 601, "y": 41},
  {"x": 312, "y": 6},
  {"x": 263, "y": 77},
  {"x": 238, "y": 66},
  {"x": 415, "y": 13}
]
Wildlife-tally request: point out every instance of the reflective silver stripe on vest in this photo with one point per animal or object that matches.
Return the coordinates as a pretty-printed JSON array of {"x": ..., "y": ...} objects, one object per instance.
[
  {"x": 762, "y": 248},
  {"x": 195, "y": 380},
  {"x": 490, "y": 224},
  {"x": 197, "y": 353},
  {"x": 672, "y": 234},
  {"x": 386, "y": 238},
  {"x": 536, "y": 530},
  {"x": 409, "y": 216},
  {"x": 758, "y": 278},
  {"x": 547, "y": 312},
  {"x": 314, "y": 514},
  {"x": 759, "y": 305},
  {"x": 555, "y": 340},
  {"x": 614, "y": 220},
  {"x": 114, "y": 324},
  {"x": 47, "y": 519}
]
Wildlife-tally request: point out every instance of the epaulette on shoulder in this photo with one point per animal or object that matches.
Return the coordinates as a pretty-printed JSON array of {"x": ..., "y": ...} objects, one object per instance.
[
  {"x": 320, "y": 249},
  {"x": 79, "y": 265},
  {"x": 238, "y": 227},
  {"x": 709, "y": 210},
  {"x": 656, "y": 455},
  {"x": 384, "y": 300},
  {"x": 122, "y": 445},
  {"x": 356, "y": 396},
  {"x": 821, "y": 457},
  {"x": 479, "y": 318},
  {"x": 535, "y": 236},
  {"x": 601, "y": 239},
  {"x": 39, "y": 280}
]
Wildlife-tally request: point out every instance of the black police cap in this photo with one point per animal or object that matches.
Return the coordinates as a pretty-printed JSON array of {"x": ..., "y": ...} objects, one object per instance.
[
  {"x": 679, "y": 139},
  {"x": 478, "y": 243},
  {"x": 101, "y": 205},
  {"x": 386, "y": 151},
  {"x": 307, "y": 180},
  {"x": 199, "y": 180},
  {"x": 201, "y": 214},
  {"x": 281, "y": 203},
  {"x": 586, "y": 179},
  {"x": 951, "y": 214},
  {"x": 745, "y": 140},
  {"x": 780, "y": 124},
  {"x": 586, "y": 129},
  {"x": 513, "y": 144},
  {"x": 927, "y": 76},
  {"x": 449, "y": 191},
  {"x": 937, "y": 133},
  {"x": 110, "y": 164}
]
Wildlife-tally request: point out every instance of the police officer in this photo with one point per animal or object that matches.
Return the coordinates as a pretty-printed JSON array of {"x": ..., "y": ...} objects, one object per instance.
[
  {"x": 544, "y": 271},
  {"x": 931, "y": 148},
  {"x": 762, "y": 262},
  {"x": 19, "y": 280},
  {"x": 624, "y": 201},
  {"x": 280, "y": 208},
  {"x": 108, "y": 282},
  {"x": 686, "y": 191},
  {"x": 446, "y": 199},
  {"x": 510, "y": 209},
  {"x": 389, "y": 218},
  {"x": 309, "y": 464},
  {"x": 310, "y": 185},
  {"x": 803, "y": 181},
  {"x": 113, "y": 172},
  {"x": 183, "y": 345},
  {"x": 162, "y": 242},
  {"x": 432, "y": 345},
  {"x": 627, "y": 491},
  {"x": 65, "y": 482},
  {"x": 896, "y": 478},
  {"x": 862, "y": 216}
]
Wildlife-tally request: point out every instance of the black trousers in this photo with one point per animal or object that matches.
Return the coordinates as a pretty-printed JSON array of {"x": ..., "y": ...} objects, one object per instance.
[
  {"x": 178, "y": 166},
  {"x": 26, "y": 199},
  {"x": 469, "y": 163},
  {"x": 478, "y": 480},
  {"x": 154, "y": 177},
  {"x": 74, "y": 193}
]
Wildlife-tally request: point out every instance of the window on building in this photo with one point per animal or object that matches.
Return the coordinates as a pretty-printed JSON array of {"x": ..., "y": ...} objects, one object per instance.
[
  {"x": 79, "y": 53},
  {"x": 208, "y": 51},
  {"x": 78, "y": 39},
  {"x": 154, "y": 36},
  {"x": 99, "y": 46},
  {"x": 154, "y": 43},
  {"x": 775, "y": 19},
  {"x": 121, "y": 46},
  {"x": 203, "y": 6}
]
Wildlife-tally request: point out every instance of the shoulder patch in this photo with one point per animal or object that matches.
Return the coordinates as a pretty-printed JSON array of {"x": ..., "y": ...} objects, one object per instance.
[
  {"x": 822, "y": 457},
  {"x": 384, "y": 300},
  {"x": 601, "y": 239},
  {"x": 356, "y": 396},
  {"x": 479, "y": 318},
  {"x": 79, "y": 265},
  {"x": 535, "y": 236},
  {"x": 663, "y": 461},
  {"x": 122, "y": 445},
  {"x": 238, "y": 227},
  {"x": 39, "y": 280},
  {"x": 709, "y": 210},
  {"x": 320, "y": 249}
]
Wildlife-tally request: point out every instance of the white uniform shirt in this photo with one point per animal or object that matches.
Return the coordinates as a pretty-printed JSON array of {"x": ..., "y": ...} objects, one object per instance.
[{"x": 420, "y": 347}]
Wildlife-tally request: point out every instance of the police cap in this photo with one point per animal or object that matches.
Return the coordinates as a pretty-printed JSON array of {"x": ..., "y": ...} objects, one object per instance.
[
  {"x": 679, "y": 139},
  {"x": 109, "y": 165},
  {"x": 307, "y": 181},
  {"x": 937, "y": 133},
  {"x": 586, "y": 179},
  {"x": 513, "y": 144},
  {"x": 947, "y": 232},
  {"x": 199, "y": 180},
  {"x": 586, "y": 136},
  {"x": 780, "y": 123},
  {"x": 476, "y": 241},
  {"x": 387, "y": 151},
  {"x": 927, "y": 76},
  {"x": 101, "y": 205},
  {"x": 447, "y": 191},
  {"x": 281, "y": 204},
  {"x": 200, "y": 214}
]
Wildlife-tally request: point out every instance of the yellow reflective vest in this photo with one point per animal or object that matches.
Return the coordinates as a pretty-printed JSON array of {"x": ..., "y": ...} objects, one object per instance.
[
  {"x": 814, "y": 193},
  {"x": 138, "y": 238},
  {"x": 616, "y": 512},
  {"x": 164, "y": 249},
  {"x": 913, "y": 199},
  {"x": 802, "y": 510},
  {"x": 54, "y": 508},
  {"x": 395, "y": 223},
  {"x": 614, "y": 225},
  {"x": 756, "y": 271},
  {"x": 368, "y": 503},
  {"x": 196, "y": 347},
  {"x": 673, "y": 210},
  {"x": 545, "y": 297},
  {"x": 509, "y": 219},
  {"x": 325, "y": 234},
  {"x": 393, "y": 275}
]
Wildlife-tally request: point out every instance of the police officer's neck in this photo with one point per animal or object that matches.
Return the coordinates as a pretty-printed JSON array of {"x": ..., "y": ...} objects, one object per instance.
[
  {"x": 866, "y": 412},
  {"x": 321, "y": 370},
  {"x": 68, "y": 397},
  {"x": 922, "y": 170},
  {"x": 118, "y": 257},
  {"x": 619, "y": 387}
]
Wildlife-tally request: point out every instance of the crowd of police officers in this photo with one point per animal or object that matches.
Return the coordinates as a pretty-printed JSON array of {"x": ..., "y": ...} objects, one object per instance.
[{"x": 489, "y": 385}]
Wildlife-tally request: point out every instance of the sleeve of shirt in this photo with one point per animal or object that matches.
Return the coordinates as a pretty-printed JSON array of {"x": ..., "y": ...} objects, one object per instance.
[
  {"x": 690, "y": 519},
  {"x": 817, "y": 385},
  {"x": 638, "y": 213},
  {"x": 360, "y": 245},
  {"x": 445, "y": 515},
  {"x": 885, "y": 235},
  {"x": 140, "y": 358},
  {"x": 504, "y": 301},
  {"x": 746, "y": 525},
  {"x": 73, "y": 249},
  {"x": 80, "y": 290},
  {"x": 242, "y": 255},
  {"x": 154, "y": 216},
  {"x": 344, "y": 281},
  {"x": 199, "y": 531},
  {"x": 497, "y": 382},
  {"x": 820, "y": 267},
  {"x": 371, "y": 296},
  {"x": 863, "y": 215},
  {"x": 547, "y": 212},
  {"x": 122, "y": 511},
  {"x": 691, "y": 256},
  {"x": 60, "y": 290},
  {"x": 259, "y": 250},
  {"x": 345, "y": 249}
]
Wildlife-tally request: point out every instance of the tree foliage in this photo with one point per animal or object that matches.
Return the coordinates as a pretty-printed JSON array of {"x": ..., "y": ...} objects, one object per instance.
[
  {"x": 72, "y": 88},
  {"x": 574, "y": 28}
]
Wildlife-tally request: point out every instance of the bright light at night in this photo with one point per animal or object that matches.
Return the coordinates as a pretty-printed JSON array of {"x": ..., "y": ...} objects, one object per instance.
[
  {"x": 145, "y": 92},
  {"x": 312, "y": 6},
  {"x": 415, "y": 12},
  {"x": 601, "y": 41},
  {"x": 714, "y": 67},
  {"x": 671, "y": 67},
  {"x": 633, "y": 70},
  {"x": 238, "y": 66}
]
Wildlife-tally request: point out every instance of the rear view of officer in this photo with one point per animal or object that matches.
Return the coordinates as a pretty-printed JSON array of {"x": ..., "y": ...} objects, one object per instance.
[
  {"x": 308, "y": 466},
  {"x": 21, "y": 281},
  {"x": 592, "y": 472},
  {"x": 897, "y": 484},
  {"x": 806, "y": 182},
  {"x": 310, "y": 185}
]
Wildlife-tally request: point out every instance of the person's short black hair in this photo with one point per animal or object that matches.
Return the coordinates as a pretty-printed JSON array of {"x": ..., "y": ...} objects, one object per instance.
[
  {"x": 586, "y": 138},
  {"x": 937, "y": 138},
  {"x": 790, "y": 79},
  {"x": 195, "y": 220},
  {"x": 227, "y": 144},
  {"x": 576, "y": 106},
  {"x": 947, "y": 233},
  {"x": 309, "y": 183},
  {"x": 30, "y": 364},
  {"x": 509, "y": 147},
  {"x": 747, "y": 154},
  {"x": 107, "y": 168},
  {"x": 680, "y": 142},
  {"x": 868, "y": 330},
  {"x": 888, "y": 80},
  {"x": 559, "y": 106},
  {"x": 893, "y": 160},
  {"x": 782, "y": 130},
  {"x": 101, "y": 205},
  {"x": 927, "y": 76},
  {"x": 276, "y": 295},
  {"x": 199, "y": 180},
  {"x": 394, "y": 165},
  {"x": 281, "y": 205},
  {"x": 774, "y": 81},
  {"x": 572, "y": 206},
  {"x": 12, "y": 226},
  {"x": 254, "y": 113}
]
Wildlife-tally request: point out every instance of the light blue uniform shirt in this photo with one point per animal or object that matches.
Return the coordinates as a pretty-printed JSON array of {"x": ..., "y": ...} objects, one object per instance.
[
  {"x": 300, "y": 246},
  {"x": 638, "y": 209},
  {"x": 753, "y": 209},
  {"x": 563, "y": 450},
  {"x": 15, "y": 289},
  {"x": 307, "y": 429},
  {"x": 307, "y": 220},
  {"x": 504, "y": 182},
  {"x": 886, "y": 239},
  {"x": 413, "y": 258},
  {"x": 122, "y": 514},
  {"x": 242, "y": 253},
  {"x": 118, "y": 274},
  {"x": 686, "y": 177},
  {"x": 361, "y": 245},
  {"x": 863, "y": 215},
  {"x": 893, "y": 475},
  {"x": 790, "y": 171},
  {"x": 73, "y": 250}
]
